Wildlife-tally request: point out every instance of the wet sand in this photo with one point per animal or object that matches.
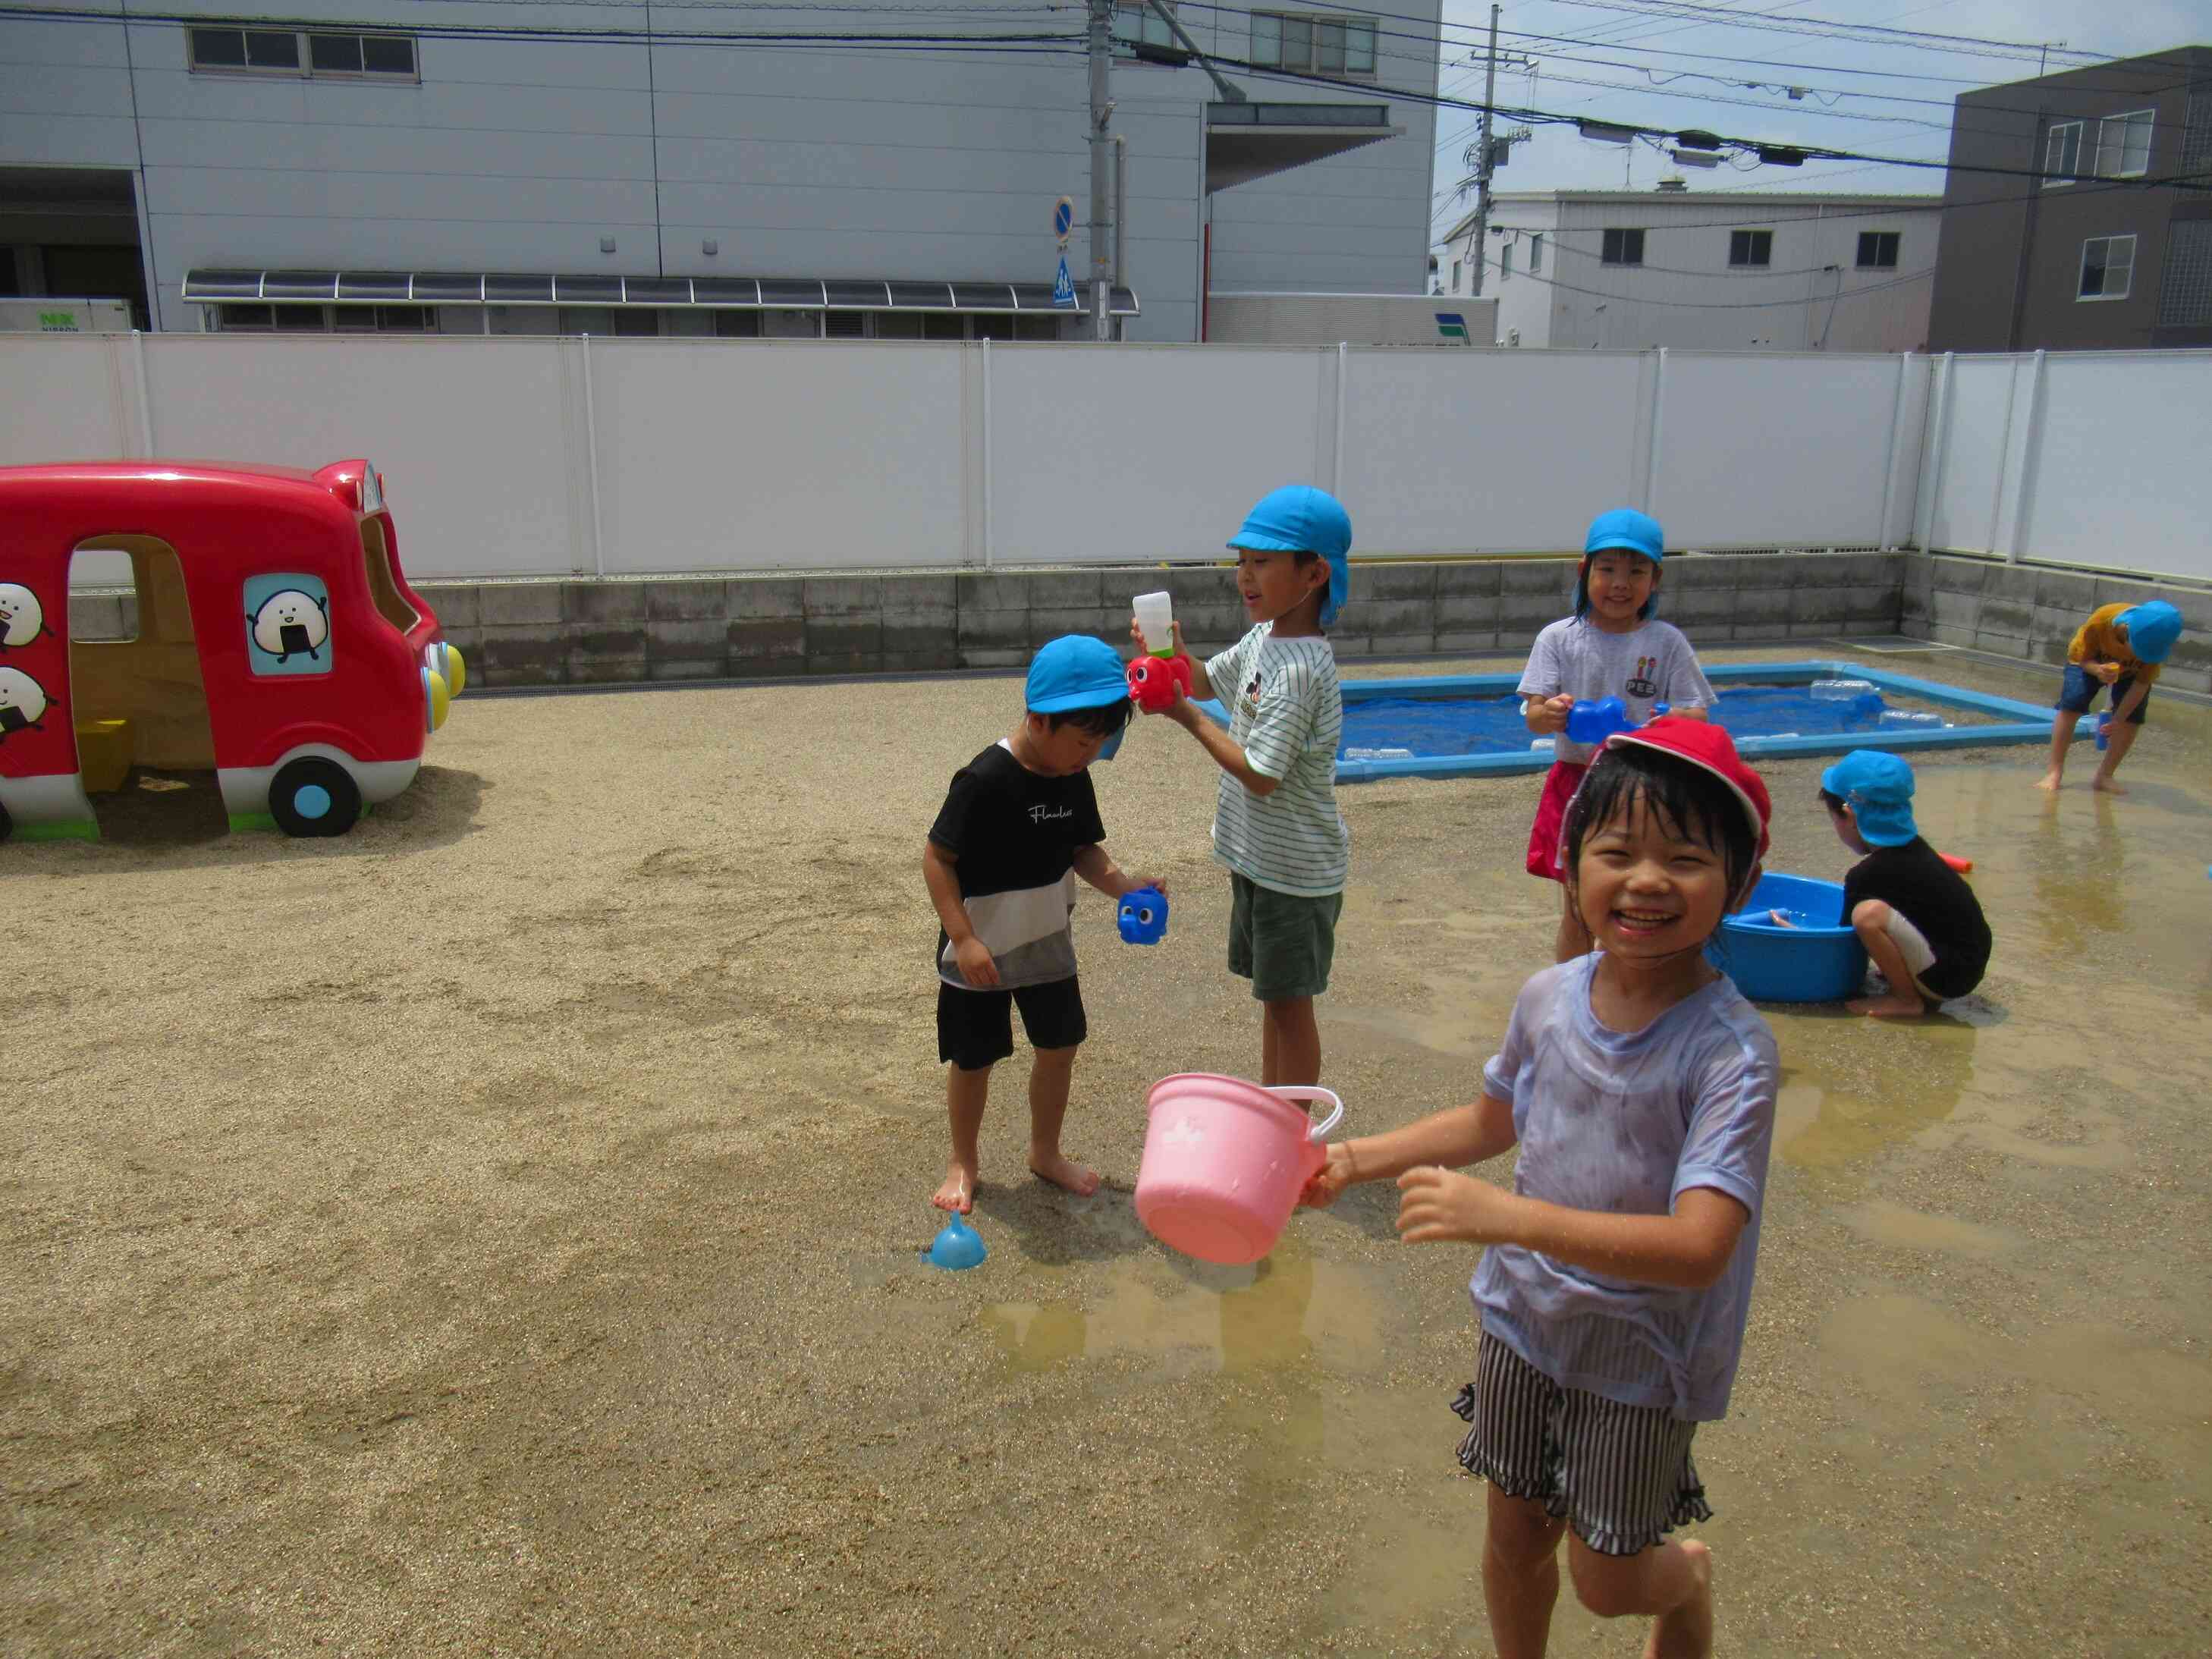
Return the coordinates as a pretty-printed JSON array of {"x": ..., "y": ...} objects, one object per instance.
[{"x": 497, "y": 1231}]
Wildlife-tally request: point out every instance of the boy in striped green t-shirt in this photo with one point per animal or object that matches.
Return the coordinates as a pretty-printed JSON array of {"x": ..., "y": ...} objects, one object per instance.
[{"x": 1275, "y": 821}]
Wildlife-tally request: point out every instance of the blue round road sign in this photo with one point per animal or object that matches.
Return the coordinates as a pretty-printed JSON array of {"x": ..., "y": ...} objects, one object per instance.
[{"x": 1063, "y": 216}]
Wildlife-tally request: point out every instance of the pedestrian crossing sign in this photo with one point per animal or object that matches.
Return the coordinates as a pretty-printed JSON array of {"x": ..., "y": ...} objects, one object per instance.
[{"x": 1063, "y": 288}]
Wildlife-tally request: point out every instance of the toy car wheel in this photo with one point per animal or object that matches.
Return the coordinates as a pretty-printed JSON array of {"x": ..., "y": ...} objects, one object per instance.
[
  {"x": 313, "y": 796},
  {"x": 7, "y": 824}
]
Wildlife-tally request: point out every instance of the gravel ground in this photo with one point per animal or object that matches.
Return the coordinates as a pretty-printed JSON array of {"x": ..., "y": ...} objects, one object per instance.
[{"x": 495, "y": 1231}]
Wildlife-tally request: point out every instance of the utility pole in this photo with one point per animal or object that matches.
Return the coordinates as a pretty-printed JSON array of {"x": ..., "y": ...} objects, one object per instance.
[
  {"x": 1101, "y": 112},
  {"x": 1481, "y": 249}
]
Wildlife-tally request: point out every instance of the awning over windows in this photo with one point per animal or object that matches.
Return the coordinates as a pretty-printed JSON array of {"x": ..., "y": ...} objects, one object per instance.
[
  {"x": 209, "y": 286},
  {"x": 1244, "y": 142}
]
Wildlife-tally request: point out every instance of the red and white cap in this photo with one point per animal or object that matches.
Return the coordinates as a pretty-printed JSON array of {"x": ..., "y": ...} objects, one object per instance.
[{"x": 1709, "y": 746}]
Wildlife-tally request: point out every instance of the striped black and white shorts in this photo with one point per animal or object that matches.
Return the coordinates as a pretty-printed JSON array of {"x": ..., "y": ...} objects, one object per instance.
[{"x": 1622, "y": 1475}]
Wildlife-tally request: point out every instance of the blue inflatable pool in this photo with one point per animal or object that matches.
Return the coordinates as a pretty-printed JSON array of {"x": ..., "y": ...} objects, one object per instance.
[{"x": 1817, "y": 958}]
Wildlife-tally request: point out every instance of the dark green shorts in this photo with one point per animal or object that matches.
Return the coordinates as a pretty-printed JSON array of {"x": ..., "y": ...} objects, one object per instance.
[{"x": 1282, "y": 943}]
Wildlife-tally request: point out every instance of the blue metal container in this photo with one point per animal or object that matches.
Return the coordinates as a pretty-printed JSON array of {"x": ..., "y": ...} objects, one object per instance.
[{"x": 1818, "y": 958}]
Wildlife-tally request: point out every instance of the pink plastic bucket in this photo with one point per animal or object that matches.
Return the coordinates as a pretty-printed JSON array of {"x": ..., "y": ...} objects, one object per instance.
[{"x": 1224, "y": 1162}]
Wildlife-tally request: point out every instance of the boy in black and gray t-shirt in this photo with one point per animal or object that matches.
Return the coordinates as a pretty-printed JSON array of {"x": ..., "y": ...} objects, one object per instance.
[{"x": 1018, "y": 824}]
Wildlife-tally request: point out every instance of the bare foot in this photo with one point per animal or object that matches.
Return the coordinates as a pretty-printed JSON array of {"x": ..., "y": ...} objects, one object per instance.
[
  {"x": 958, "y": 1192},
  {"x": 1903, "y": 1007},
  {"x": 2106, "y": 786},
  {"x": 2049, "y": 780},
  {"x": 1064, "y": 1171},
  {"x": 1687, "y": 1632}
]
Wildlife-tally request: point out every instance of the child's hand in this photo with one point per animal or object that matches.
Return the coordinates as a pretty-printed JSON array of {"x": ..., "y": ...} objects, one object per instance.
[
  {"x": 1137, "y": 635},
  {"x": 2106, "y": 672},
  {"x": 1551, "y": 714},
  {"x": 975, "y": 965},
  {"x": 1780, "y": 918},
  {"x": 1437, "y": 1206},
  {"x": 1130, "y": 883},
  {"x": 1328, "y": 1183}
]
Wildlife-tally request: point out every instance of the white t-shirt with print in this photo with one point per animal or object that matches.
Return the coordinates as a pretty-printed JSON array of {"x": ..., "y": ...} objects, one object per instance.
[
  {"x": 1651, "y": 664},
  {"x": 1287, "y": 714}
]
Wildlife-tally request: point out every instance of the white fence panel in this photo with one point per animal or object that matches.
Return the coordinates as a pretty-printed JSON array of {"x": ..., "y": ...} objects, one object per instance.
[
  {"x": 65, "y": 397},
  {"x": 1146, "y": 452},
  {"x": 1759, "y": 450},
  {"x": 2122, "y": 477},
  {"x": 1488, "y": 452},
  {"x": 751, "y": 455},
  {"x": 1971, "y": 448},
  {"x": 703, "y": 455},
  {"x": 471, "y": 435}
]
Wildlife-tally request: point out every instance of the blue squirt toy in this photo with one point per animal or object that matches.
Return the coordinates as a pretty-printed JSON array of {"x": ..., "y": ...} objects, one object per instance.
[
  {"x": 2104, "y": 729},
  {"x": 1142, "y": 916},
  {"x": 957, "y": 1245},
  {"x": 1594, "y": 722}
]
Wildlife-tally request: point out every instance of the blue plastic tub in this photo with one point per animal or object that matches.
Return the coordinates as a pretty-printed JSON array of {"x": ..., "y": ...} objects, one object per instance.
[{"x": 1819, "y": 959}]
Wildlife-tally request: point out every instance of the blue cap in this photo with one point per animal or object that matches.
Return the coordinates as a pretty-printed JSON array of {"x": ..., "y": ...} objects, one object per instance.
[
  {"x": 1299, "y": 519},
  {"x": 1076, "y": 671},
  {"x": 1627, "y": 529},
  {"x": 2153, "y": 627},
  {"x": 1878, "y": 787}
]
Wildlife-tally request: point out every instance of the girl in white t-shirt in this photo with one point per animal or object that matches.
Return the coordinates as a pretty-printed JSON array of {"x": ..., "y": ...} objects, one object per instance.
[
  {"x": 1616, "y": 1276},
  {"x": 1610, "y": 648}
]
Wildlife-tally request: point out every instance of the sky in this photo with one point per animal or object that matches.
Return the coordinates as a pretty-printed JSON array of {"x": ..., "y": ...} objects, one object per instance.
[{"x": 1858, "y": 95}]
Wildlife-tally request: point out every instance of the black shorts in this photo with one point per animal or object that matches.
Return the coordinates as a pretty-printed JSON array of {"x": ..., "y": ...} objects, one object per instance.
[{"x": 975, "y": 1028}]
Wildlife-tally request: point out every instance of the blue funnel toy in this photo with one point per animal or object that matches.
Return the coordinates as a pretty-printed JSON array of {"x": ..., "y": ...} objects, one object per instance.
[{"x": 957, "y": 1245}]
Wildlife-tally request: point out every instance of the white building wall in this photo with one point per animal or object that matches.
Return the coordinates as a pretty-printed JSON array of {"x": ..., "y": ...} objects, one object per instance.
[
  {"x": 524, "y": 155},
  {"x": 1811, "y": 296}
]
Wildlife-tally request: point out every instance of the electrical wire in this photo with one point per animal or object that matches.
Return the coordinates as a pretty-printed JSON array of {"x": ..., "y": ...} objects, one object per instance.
[{"x": 1695, "y": 305}]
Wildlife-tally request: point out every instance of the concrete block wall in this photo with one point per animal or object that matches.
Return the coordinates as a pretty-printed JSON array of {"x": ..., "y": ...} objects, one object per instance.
[
  {"x": 581, "y": 632},
  {"x": 629, "y": 631},
  {"x": 2030, "y": 612}
]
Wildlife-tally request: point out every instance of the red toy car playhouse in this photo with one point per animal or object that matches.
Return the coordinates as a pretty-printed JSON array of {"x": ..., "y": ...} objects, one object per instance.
[{"x": 279, "y": 642}]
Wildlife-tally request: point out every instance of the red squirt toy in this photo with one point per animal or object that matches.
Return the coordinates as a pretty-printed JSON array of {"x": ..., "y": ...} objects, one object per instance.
[{"x": 1154, "y": 681}]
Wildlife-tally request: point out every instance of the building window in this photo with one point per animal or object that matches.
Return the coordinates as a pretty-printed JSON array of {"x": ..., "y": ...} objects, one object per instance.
[
  {"x": 2108, "y": 267},
  {"x": 240, "y": 50},
  {"x": 1535, "y": 252},
  {"x": 737, "y": 325},
  {"x": 383, "y": 320},
  {"x": 1504, "y": 262},
  {"x": 2184, "y": 299},
  {"x": 844, "y": 324},
  {"x": 1135, "y": 22},
  {"x": 636, "y": 321},
  {"x": 1752, "y": 247},
  {"x": 1321, "y": 44},
  {"x": 2061, "y": 154},
  {"x": 1622, "y": 248},
  {"x": 1456, "y": 271},
  {"x": 2123, "y": 145},
  {"x": 1878, "y": 250},
  {"x": 944, "y": 325}
]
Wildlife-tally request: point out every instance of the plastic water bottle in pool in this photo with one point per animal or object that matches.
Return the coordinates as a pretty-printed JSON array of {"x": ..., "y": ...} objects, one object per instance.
[
  {"x": 2104, "y": 728},
  {"x": 1911, "y": 718},
  {"x": 1840, "y": 690}
]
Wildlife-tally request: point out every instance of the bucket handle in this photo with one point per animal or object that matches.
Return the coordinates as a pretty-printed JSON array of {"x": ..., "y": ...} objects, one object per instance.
[{"x": 1312, "y": 1091}]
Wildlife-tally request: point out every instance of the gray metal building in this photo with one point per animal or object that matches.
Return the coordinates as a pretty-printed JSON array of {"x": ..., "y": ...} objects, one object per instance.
[
  {"x": 2093, "y": 227},
  {"x": 482, "y": 166}
]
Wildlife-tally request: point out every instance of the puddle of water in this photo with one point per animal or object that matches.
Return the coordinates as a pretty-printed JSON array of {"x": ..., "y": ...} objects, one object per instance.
[
  {"x": 1280, "y": 1317},
  {"x": 1881, "y": 1222}
]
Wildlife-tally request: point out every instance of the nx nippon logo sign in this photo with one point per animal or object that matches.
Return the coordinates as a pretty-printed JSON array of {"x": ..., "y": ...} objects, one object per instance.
[{"x": 1452, "y": 325}]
